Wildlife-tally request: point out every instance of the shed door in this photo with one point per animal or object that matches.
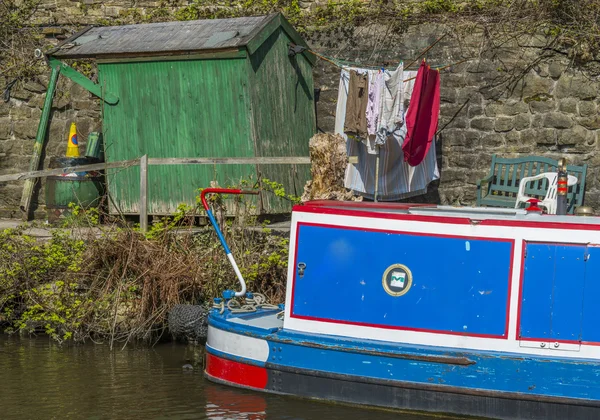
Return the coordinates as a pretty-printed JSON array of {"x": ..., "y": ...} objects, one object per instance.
[{"x": 552, "y": 296}]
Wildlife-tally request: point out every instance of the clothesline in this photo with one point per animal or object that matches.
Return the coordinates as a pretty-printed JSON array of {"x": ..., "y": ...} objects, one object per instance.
[{"x": 342, "y": 66}]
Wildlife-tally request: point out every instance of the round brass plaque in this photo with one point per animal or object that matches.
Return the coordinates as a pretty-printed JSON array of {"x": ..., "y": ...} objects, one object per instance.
[{"x": 397, "y": 280}]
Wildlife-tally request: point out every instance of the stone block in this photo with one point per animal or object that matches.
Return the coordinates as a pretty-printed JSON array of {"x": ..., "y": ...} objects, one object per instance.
[
  {"x": 53, "y": 30},
  {"x": 534, "y": 86},
  {"x": 447, "y": 95},
  {"x": 19, "y": 113},
  {"x": 515, "y": 143},
  {"x": 37, "y": 101},
  {"x": 482, "y": 66},
  {"x": 492, "y": 93},
  {"x": 78, "y": 93},
  {"x": 34, "y": 86},
  {"x": 96, "y": 115},
  {"x": 537, "y": 121},
  {"x": 21, "y": 94},
  {"x": 453, "y": 137},
  {"x": 472, "y": 139},
  {"x": 576, "y": 86},
  {"x": 591, "y": 123},
  {"x": 6, "y": 147},
  {"x": 86, "y": 105},
  {"x": 509, "y": 108},
  {"x": 112, "y": 11},
  {"x": 542, "y": 137},
  {"x": 556, "y": 69},
  {"x": 5, "y": 128},
  {"x": 58, "y": 132},
  {"x": 450, "y": 110},
  {"x": 463, "y": 95},
  {"x": 462, "y": 159},
  {"x": 557, "y": 120},
  {"x": 542, "y": 70},
  {"x": 575, "y": 136},
  {"x": 454, "y": 174},
  {"x": 474, "y": 110},
  {"x": 24, "y": 129},
  {"x": 568, "y": 105},
  {"x": 454, "y": 80},
  {"x": 459, "y": 122},
  {"x": 503, "y": 124},
  {"x": 482, "y": 123},
  {"x": 586, "y": 108},
  {"x": 492, "y": 141},
  {"x": 522, "y": 122},
  {"x": 4, "y": 108},
  {"x": 542, "y": 106}
]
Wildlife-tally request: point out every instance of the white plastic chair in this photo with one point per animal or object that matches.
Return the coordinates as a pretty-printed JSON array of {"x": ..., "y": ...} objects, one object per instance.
[{"x": 549, "y": 202}]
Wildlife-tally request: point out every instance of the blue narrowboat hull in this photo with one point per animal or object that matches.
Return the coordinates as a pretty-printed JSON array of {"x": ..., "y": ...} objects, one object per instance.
[{"x": 483, "y": 384}]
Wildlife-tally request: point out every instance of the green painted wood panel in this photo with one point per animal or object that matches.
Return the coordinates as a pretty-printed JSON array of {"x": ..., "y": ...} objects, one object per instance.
[
  {"x": 283, "y": 114},
  {"x": 186, "y": 109}
]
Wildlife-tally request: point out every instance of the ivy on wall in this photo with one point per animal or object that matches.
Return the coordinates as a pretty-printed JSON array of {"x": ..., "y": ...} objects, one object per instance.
[{"x": 572, "y": 25}]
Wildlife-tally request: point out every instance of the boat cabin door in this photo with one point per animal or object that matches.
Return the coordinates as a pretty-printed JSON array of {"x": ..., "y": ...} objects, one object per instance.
[{"x": 553, "y": 288}]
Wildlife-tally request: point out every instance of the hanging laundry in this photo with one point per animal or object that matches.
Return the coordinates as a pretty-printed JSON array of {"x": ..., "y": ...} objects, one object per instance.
[
  {"x": 397, "y": 179},
  {"x": 356, "y": 110},
  {"x": 392, "y": 104},
  {"x": 422, "y": 115},
  {"x": 376, "y": 83}
]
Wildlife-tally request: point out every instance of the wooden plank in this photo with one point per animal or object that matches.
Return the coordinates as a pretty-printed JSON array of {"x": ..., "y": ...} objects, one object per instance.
[
  {"x": 84, "y": 82},
  {"x": 176, "y": 56},
  {"x": 301, "y": 160},
  {"x": 61, "y": 171},
  {"x": 144, "y": 193},
  {"x": 39, "y": 142}
]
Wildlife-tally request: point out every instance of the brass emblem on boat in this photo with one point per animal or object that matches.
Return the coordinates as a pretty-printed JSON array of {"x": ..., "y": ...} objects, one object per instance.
[{"x": 397, "y": 280}]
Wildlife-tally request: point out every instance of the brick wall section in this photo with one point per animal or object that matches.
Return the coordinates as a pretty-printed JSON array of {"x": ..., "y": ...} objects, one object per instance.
[{"x": 552, "y": 110}]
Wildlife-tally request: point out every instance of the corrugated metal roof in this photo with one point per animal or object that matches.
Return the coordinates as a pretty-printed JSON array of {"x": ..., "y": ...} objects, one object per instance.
[{"x": 156, "y": 38}]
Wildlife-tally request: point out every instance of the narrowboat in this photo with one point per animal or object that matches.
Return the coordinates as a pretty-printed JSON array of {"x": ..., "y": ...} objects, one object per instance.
[{"x": 468, "y": 311}]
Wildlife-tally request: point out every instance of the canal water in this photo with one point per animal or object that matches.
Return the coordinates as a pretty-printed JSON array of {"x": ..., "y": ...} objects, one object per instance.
[{"x": 42, "y": 380}]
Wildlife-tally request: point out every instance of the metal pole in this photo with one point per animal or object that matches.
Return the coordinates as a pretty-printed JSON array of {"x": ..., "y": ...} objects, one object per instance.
[
  {"x": 376, "y": 175},
  {"x": 562, "y": 187},
  {"x": 38, "y": 147},
  {"x": 144, "y": 193}
]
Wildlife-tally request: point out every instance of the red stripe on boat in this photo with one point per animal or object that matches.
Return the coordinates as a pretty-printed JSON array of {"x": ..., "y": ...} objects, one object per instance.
[{"x": 236, "y": 372}]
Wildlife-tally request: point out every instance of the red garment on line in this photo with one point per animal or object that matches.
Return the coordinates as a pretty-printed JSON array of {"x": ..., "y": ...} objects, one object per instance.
[{"x": 422, "y": 115}]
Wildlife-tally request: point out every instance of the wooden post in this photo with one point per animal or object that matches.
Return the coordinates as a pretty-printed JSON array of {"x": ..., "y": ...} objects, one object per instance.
[
  {"x": 38, "y": 146},
  {"x": 144, "y": 193}
]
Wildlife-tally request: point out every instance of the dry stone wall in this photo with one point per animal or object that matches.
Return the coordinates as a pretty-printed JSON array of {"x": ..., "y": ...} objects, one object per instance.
[{"x": 517, "y": 100}]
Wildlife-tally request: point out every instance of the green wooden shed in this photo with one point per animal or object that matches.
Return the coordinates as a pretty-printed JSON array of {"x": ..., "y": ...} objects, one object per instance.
[{"x": 205, "y": 88}]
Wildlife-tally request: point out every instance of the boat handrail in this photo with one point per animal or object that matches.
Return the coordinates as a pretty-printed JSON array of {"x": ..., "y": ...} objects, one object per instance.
[{"x": 213, "y": 221}]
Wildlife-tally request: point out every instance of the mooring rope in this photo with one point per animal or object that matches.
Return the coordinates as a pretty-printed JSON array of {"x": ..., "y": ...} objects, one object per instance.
[{"x": 251, "y": 304}]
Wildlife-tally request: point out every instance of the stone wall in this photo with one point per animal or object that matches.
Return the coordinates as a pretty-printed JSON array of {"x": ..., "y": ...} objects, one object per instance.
[{"x": 513, "y": 100}]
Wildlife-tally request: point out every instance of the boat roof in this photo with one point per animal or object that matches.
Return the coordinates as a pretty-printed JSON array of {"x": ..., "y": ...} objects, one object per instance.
[{"x": 472, "y": 213}]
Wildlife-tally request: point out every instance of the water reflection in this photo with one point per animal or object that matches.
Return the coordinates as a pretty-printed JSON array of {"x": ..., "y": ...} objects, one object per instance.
[{"x": 40, "y": 380}]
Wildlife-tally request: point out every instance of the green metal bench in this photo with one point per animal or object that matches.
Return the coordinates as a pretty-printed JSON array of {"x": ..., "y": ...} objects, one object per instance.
[{"x": 500, "y": 187}]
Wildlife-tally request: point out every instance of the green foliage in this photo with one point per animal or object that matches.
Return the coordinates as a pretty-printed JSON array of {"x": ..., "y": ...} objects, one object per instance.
[
  {"x": 29, "y": 300},
  {"x": 279, "y": 191},
  {"x": 78, "y": 216},
  {"x": 18, "y": 39},
  {"x": 167, "y": 224}
]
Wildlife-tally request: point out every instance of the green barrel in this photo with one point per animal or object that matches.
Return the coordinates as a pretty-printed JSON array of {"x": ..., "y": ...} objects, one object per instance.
[{"x": 85, "y": 189}]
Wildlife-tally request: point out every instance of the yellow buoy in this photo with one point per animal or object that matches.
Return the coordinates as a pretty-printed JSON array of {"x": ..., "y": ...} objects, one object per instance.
[{"x": 72, "y": 145}]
